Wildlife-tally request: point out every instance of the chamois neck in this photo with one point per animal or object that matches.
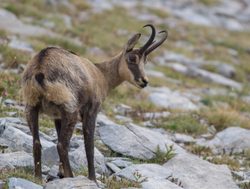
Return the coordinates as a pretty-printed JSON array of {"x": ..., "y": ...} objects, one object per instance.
[{"x": 110, "y": 70}]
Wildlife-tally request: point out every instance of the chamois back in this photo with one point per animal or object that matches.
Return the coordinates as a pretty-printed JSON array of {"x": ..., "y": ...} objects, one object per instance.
[{"x": 58, "y": 76}]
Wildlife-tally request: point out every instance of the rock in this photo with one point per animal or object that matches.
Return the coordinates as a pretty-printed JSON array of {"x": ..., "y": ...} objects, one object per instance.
[
  {"x": 113, "y": 167},
  {"x": 96, "y": 51},
  {"x": 9, "y": 102},
  {"x": 13, "y": 120},
  {"x": 76, "y": 182},
  {"x": 9, "y": 22},
  {"x": 17, "y": 140},
  {"x": 154, "y": 73},
  {"x": 50, "y": 156},
  {"x": 159, "y": 184},
  {"x": 155, "y": 115},
  {"x": 226, "y": 70},
  {"x": 166, "y": 98},
  {"x": 78, "y": 159},
  {"x": 11, "y": 113},
  {"x": 182, "y": 138},
  {"x": 206, "y": 75},
  {"x": 194, "y": 17},
  {"x": 53, "y": 173},
  {"x": 67, "y": 20},
  {"x": 15, "y": 159},
  {"x": 123, "y": 119},
  {"x": 122, "y": 109},
  {"x": 20, "y": 45},
  {"x": 230, "y": 140},
  {"x": 19, "y": 183},
  {"x": 103, "y": 120},
  {"x": 2, "y": 183},
  {"x": 141, "y": 172},
  {"x": 132, "y": 140},
  {"x": 196, "y": 173},
  {"x": 22, "y": 125},
  {"x": 121, "y": 162},
  {"x": 151, "y": 176}
]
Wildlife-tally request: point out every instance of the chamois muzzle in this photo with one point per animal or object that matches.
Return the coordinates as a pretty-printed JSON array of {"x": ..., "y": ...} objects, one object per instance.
[{"x": 150, "y": 40}]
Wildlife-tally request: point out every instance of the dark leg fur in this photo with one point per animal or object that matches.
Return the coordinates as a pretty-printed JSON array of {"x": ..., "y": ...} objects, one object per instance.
[
  {"x": 68, "y": 122},
  {"x": 32, "y": 119},
  {"x": 58, "y": 126},
  {"x": 89, "y": 117}
]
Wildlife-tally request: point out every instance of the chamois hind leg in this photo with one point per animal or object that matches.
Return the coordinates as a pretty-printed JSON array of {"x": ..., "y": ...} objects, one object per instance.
[
  {"x": 89, "y": 119},
  {"x": 68, "y": 122},
  {"x": 58, "y": 125},
  {"x": 32, "y": 119}
]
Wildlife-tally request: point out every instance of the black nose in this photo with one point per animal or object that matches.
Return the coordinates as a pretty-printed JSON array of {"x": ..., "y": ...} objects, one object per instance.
[{"x": 145, "y": 82}]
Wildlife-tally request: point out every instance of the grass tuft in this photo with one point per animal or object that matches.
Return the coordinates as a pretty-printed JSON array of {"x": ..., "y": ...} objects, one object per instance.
[{"x": 183, "y": 123}]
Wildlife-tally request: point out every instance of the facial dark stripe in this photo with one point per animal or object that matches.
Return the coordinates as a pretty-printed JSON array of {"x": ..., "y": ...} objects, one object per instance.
[{"x": 134, "y": 68}]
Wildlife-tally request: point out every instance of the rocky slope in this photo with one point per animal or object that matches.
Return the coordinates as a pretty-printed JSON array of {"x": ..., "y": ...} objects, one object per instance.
[{"x": 188, "y": 129}]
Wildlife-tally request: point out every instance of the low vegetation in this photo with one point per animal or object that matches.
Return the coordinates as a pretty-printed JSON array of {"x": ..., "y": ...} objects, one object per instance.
[{"x": 183, "y": 123}]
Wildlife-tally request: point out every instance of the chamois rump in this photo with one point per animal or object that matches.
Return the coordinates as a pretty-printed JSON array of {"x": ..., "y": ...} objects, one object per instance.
[{"x": 65, "y": 86}]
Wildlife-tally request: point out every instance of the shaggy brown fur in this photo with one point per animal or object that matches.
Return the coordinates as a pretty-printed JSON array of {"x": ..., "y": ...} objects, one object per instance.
[{"x": 65, "y": 86}]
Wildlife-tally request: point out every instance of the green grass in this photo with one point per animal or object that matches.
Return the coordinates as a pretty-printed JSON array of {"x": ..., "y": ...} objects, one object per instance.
[
  {"x": 4, "y": 111},
  {"x": 25, "y": 173},
  {"x": 183, "y": 123},
  {"x": 131, "y": 96},
  {"x": 13, "y": 57},
  {"x": 209, "y": 2},
  {"x": 158, "y": 12},
  {"x": 10, "y": 86},
  {"x": 114, "y": 183},
  {"x": 199, "y": 150},
  {"x": 222, "y": 118},
  {"x": 232, "y": 163},
  {"x": 94, "y": 32},
  {"x": 162, "y": 157},
  {"x": 42, "y": 42}
]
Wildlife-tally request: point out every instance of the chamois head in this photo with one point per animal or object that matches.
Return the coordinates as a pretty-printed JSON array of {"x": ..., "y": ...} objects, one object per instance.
[{"x": 134, "y": 60}]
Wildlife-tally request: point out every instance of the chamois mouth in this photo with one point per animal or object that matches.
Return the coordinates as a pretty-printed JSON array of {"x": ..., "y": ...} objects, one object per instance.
[{"x": 140, "y": 85}]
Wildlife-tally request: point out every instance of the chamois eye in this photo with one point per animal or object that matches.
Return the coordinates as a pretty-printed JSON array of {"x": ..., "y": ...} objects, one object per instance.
[{"x": 132, "y": 58}]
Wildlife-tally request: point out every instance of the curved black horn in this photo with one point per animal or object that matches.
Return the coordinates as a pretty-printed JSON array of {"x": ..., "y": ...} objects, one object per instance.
[
  {"x": 155, "y": 45},
  {"x": 150, "y": 40}
]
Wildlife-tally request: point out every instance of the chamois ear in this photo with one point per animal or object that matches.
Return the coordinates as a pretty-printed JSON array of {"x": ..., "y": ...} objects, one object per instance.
[{"x": 132, "y": 42}]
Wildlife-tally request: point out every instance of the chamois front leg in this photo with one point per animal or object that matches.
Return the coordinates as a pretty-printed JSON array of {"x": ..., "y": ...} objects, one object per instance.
[
  {"x": 32, "y": 119},
  {"x": 89, "y": 119},
  {"x": 68, "y": 122}
]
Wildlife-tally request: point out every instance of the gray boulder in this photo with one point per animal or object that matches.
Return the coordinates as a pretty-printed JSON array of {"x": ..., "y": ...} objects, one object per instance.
[
  {"x": 159, "y": 184},
  {"x": 226, "y": 70},
  {"x": 20, "y": 45},
  {"x": 76, "y": 182},
  {"x": 19, "y": 183},
  {"x": 196, "y": 173},
  {"x": 135, "y": 141},
  {"x": 166, "y": 98},
  {"x": 205, "y": 75},
  {"x": 17, "y": 140},
  {"x": 182, "y": 138},
  {"x": 141, "y": 172},
  {"x": 10, "y": 23},
  {"x": 77, "y": 157},
  {"x": 15, "y": 159},
  {"x": 120, "y": 162},
  {"x": 151, "y": 176},
  {"x": 230, "y": 140}
]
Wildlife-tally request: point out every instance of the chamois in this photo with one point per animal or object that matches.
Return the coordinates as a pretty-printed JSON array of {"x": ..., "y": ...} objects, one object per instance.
[{"x": 66, "y": 87}]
